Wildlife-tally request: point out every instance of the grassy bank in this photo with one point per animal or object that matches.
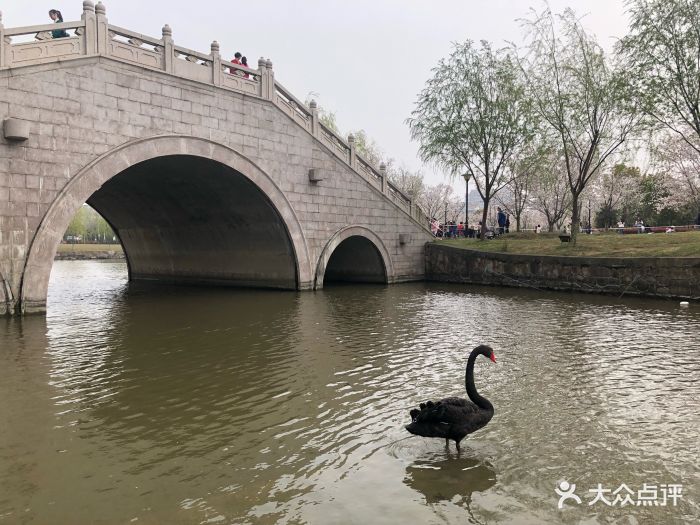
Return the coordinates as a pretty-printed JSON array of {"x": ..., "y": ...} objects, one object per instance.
[{"x": 685, "y": 244}]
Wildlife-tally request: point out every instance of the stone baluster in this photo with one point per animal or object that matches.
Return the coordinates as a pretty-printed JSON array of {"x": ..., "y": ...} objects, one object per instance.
[
  {"x": 215, "y": 63},
  {"x": 353, "y": 151},
  {"x": 90, "y": 21},
  {"x": 382, "y": 172},
  {"x": 102, "y": 29},
  {"x": 314, "y": 118},
  {"x": 168, "y": 49},
  {"x": 262, "y": 77},
  {"x": 270, "y": 80},
  {"x": 2, "y": 42}
]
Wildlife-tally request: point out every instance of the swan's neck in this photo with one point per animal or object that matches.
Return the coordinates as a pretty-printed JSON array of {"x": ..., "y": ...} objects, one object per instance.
[{"x": 478, "y": 400}]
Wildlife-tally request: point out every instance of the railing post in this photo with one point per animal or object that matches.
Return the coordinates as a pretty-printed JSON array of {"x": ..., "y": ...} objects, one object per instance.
[
  {"x": 168, "y": 49},
  {"x": 215, "y": 63},
  {"x": 353, "y": 152},
  {"x": 102, "y": 29},
  {"x": 90, "y": 21},
  {"x": 314, "y": 118},
  {"x": 382, "y": 172},
  {"x": 262, "y": 77},
  {"x": 2, "y": 42},
  {"x": 270, "y": 80}
]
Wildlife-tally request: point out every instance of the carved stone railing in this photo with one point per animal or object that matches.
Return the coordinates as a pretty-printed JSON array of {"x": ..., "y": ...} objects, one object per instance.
[{"x": 93, "y": 36}]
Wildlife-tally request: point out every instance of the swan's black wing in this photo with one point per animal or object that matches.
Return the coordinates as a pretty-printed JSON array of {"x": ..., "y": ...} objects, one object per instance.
[
  {"x": 452, "y": 417},
  {"x": 427, "y": 420},
  {"x": 464, "y": 405}
]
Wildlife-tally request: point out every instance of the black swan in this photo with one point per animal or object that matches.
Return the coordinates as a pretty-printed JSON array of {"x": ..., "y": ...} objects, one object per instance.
[{"x": 454, "y": 417}]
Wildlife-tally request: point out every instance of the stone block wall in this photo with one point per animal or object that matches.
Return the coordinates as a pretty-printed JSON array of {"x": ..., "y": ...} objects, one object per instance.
[{"x": 652, "y": 277}]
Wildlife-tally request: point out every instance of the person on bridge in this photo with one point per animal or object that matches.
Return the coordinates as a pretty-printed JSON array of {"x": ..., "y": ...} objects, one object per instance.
[
  {"x": 236, "y": 60},
  {"x": 57, "y": 17},
  {"x": 244, "y": 62}
]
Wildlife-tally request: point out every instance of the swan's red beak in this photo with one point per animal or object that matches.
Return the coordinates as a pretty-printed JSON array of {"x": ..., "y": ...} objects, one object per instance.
[{"x": 493, "y": 357}]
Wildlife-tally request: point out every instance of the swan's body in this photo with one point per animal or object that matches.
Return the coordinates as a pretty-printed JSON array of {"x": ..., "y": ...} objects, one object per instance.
[{"x": 454, "y": 417}]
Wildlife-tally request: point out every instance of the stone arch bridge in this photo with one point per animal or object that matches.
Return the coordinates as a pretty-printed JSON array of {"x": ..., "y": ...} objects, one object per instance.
[{"x": 209, "y": 172}]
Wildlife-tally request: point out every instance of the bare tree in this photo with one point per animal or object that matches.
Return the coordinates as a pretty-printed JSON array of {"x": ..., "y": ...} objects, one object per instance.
[
  {"x": 524, "y": 168},
  {"x": 550, "y": 191},
  {"x": 410, "y": 182},
  {"x": 434, "y": 199},
  {"x": 580, "y": 95}
]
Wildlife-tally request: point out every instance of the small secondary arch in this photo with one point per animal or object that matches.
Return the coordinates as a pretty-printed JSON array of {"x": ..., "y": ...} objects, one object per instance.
[{"x": 354, "y": 254}]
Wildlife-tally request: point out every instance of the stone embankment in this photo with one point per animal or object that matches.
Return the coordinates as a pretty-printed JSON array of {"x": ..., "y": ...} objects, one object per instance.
[
  {"x": 65, "y": 253},
  {"x": 662, "y": 277}
]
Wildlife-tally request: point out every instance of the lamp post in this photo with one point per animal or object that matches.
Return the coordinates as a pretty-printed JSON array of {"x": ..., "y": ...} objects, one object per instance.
[{"x": 466, "y": 205}]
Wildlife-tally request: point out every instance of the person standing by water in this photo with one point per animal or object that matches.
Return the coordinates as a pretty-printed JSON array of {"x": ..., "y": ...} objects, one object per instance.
[
  {"x": 501, "y": 221},
  {"x": 57, "y": 17}
]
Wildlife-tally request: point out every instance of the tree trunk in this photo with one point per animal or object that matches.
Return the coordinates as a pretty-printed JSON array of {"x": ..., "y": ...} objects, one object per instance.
[
  {"x": 575, "y": 218},
  {"x": 483, "y": 220}
]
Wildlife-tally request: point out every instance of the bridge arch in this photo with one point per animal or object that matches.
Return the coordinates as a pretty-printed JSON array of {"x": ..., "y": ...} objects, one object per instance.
[
  {"x": 359, "y": 241},
  {"x": 91, "y": 179}
]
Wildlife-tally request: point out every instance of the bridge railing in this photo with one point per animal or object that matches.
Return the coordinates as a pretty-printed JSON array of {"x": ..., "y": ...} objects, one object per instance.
[{"x": 94, "y": 36}]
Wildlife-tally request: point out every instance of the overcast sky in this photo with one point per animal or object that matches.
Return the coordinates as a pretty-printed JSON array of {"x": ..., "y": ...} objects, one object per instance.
[{"x": 366, "y": 59}]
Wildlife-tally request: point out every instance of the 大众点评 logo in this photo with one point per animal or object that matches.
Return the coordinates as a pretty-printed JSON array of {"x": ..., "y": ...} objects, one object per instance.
[{"x": 648, "y": 496}]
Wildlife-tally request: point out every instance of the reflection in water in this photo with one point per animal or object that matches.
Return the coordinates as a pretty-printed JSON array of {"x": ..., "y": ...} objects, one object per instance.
[
  {"x": 452, "y": 479},
  {"x": 163, "y": 405}
]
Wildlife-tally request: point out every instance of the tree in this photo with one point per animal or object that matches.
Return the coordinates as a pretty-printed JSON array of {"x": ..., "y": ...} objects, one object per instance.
[
  {"x": 585, "y": 100},
  {"x": 433, "y": 200},
  {"x": 680, "y": 163},
  {"x": 614, "y": 186},
  {"x": 473, "y": 116},
  {"x": 663, "y": 52},
  {"x": 326, "y": 117},
  {"x": 368, "y": 148},
  {"x": 76, "y": 228},
  {"x": 653, "y": 192},
  {"x": 409, "y": 182},
  {"x": 550, "y": 190},
  {"x": 524, "y": 168},
  {"x": 89, "y": 226}
]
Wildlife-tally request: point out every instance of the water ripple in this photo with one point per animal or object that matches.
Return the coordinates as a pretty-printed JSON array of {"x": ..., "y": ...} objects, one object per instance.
[{"x": 188, "y": 405}]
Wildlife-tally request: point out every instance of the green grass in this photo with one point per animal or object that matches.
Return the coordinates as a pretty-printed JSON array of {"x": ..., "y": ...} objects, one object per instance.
[
  {"x": 88, "y": 248},
  {"x": 677, "y": 244}
]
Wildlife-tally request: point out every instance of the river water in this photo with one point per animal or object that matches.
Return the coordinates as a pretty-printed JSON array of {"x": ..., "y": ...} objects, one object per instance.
[{"x": 137, "y": 403}]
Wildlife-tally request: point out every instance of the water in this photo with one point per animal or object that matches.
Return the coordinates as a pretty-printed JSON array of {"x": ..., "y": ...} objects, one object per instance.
[{"x": 152, "y": 404}]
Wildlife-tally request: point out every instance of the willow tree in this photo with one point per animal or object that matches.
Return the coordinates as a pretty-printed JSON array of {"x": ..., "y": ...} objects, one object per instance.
[
  {"x": 583, "y": 98},
  {"x": 472, "y": 117},
  {"x": 663, "y": 52}
]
